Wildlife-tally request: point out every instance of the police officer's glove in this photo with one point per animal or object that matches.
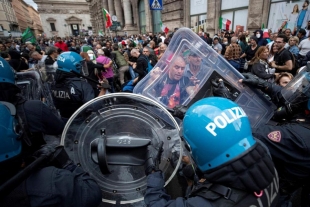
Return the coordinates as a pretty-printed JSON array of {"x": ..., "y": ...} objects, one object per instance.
[
  {"x": 179, "y": 111},
  {"x": 153, "y": 157},
  {"x": 56, "y": 155},
  {"x": 220, "y": 90},
  {"x": 255, "y": 81}
]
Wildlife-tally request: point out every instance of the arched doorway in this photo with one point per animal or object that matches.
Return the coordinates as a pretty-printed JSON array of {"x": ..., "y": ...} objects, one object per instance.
[{"x": 142, "y": 17}]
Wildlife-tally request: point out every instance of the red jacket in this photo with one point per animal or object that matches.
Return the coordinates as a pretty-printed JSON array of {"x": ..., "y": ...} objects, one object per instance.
[{"x": 63, "y": 46}]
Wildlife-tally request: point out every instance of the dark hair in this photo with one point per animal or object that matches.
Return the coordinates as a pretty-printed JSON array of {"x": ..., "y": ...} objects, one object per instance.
[
  {"x": 115, "y": 47},
  {"x": 107, "y": 52},
  {"x": 51, "y": 50},
  {"x": 307, "y": 2},
  {"x": 4, "y": 55},
  {"x": 243, "y": 39},
  {"x": 283, "y": 36}
]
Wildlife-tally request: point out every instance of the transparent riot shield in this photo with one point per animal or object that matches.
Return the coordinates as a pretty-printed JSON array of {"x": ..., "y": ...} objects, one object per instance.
[
  {"x": 185, "y": 73},
  {"x": 30, "y": 84},
  {"x": 34, "y": 88},
  {"x": 108, "y": 137}
]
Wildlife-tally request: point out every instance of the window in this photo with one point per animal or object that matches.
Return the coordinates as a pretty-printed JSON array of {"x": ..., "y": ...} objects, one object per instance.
[
  {"x": 142, "y": 18},
  {"x": 156, "y": 20},
  {"x": 53, "y": 28}
]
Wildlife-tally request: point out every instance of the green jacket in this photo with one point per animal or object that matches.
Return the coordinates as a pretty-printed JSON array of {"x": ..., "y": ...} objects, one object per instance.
[{"x": 120, "y": 59}]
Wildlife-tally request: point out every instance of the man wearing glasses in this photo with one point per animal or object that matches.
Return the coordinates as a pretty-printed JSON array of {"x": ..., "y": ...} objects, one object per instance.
[{"x": 283, "y": 59}]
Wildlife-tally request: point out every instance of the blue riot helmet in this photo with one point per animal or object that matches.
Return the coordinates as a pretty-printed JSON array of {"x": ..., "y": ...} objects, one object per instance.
[
  {"x": 7, "y": 74},
  {"x": 10, "y": 143},
  {"x": 72, "y": 62},
  {"x": 216, "y": 130}
]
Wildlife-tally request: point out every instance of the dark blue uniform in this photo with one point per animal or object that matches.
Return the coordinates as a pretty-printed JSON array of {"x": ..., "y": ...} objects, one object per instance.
[
  {"x": 289, "y": 146},
  {"x": 49, "y": 186},
  {"x": 70, "y": 94},
  {"x": 233, "y": 185}
]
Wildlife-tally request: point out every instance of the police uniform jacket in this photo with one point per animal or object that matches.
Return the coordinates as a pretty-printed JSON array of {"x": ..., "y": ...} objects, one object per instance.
[{"x": 71, "y": 94}]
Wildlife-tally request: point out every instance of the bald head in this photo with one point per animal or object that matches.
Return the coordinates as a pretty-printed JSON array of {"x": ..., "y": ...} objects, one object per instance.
[{"x": 234, "y": 39}]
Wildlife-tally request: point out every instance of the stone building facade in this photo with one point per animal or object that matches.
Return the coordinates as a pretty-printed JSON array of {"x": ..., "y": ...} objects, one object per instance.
[
  {"x": 136, "y": 17},
  {"x": 22, "y": 14},
  {"x": 36, "y": 21},
  {"x": 64, "y": 17},
  {"x": 8, "y": 21}
]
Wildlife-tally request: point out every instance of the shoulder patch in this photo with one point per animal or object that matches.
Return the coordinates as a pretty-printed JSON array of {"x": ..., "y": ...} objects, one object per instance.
[{"x": 275, "y": 136}]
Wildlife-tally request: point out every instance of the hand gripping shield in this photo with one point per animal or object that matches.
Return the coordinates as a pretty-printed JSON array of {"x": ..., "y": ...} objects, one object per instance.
[
  {"x": 108, "y": 137},
  {"x": 185, "y": 72}
]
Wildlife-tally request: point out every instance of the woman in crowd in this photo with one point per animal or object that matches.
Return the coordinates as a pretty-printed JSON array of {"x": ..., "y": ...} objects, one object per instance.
[
  {"x": 272, "y": 52},
  {"x": 293, "y": 46},
  {"x": 94, "y": 71},
  {"x": 260, "y": 66},
  {"x": 284, "y": 78},
  {"x": 243, "y": 44},
  {"x": 107, "y": 62},
  {"x": 249, "y": 53}
]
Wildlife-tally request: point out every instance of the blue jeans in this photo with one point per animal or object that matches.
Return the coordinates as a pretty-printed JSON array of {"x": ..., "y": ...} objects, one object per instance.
[
  {"x": 132, "y": 73},
  {"x": 235, "y": 64}
]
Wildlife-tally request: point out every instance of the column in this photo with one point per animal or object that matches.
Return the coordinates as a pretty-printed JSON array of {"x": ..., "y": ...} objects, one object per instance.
[
  {"x": 255, "y": 14},
  {"x": 186, "y": 10},
  {"x": 213, "y": 13},
  {"x": 119, "y": 11},
  {"x": 135, "y": 12},
  {"x": 105, "y": 4},
  {"x": 128, "y": 13},
  {"x": 148, "y": 16},
  {"x": 111, "y": 7}
]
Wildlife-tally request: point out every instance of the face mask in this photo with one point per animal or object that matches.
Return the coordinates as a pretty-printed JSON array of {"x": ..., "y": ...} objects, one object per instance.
[
  {"x": 225, "y": 43},
  {"x": 258, "y": 35}
]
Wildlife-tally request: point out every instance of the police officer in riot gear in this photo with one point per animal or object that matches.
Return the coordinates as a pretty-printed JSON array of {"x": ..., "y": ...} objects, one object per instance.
[
  {"x": 237, "y": 168},
  {"x": 69, "y": 90},
  {"x": 287, "y": 135},
  {"x": 56, "y": 181}
]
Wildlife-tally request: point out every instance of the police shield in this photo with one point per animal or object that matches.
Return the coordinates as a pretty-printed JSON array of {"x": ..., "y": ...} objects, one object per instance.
[
  {"x": 108, "y": 137},
  {"x": 30, "y": 84},
  {"x": 34, "y": 88},
  {"x": 185, "y": 72}
]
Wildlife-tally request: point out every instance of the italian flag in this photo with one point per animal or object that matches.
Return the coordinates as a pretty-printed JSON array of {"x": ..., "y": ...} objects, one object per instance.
[
  {"x": 164, "y": 28},
  {"x": 107, "y": 18},
  {"x": 224, "y": 23}
]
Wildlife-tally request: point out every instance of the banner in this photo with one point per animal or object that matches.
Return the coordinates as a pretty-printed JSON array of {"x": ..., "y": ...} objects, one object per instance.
[
  {"x": 284, "y": 15},
  {"x": 156, "y": 5},
  {"x": 28, "y": 36}
]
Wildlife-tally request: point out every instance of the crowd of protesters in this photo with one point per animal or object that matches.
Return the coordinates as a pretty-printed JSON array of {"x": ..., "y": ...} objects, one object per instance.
[{"x": 271, "y": 56}]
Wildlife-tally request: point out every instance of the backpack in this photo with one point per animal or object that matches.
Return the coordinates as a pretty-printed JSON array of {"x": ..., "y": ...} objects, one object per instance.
[{"x": 149, "y": 66}]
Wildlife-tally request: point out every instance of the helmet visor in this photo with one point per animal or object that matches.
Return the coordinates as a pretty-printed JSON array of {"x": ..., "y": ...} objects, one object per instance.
[{"x": 297, "y": 90}]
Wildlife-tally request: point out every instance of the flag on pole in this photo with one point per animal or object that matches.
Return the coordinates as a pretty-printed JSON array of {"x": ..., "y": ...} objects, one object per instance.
[
  {"x": 28, "y": 36},
  {"x": 263, "y": 26},
  {"x": 224, "y": 23},
  {"x": 107, "y": 17},
  {"x": 100, "y": 33},
  {"x": 164, "y": 28}
]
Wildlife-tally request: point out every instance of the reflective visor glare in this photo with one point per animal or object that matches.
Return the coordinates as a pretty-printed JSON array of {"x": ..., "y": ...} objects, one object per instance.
[
  {"x": 297, "y": 90},
  {"x": 84, "y": 68}
]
